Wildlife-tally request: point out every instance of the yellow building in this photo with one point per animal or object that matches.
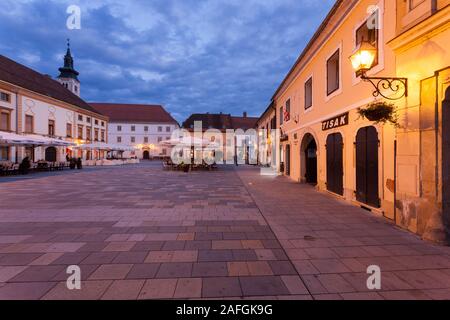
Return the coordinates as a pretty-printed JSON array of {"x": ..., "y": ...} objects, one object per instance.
[{"x": 379, "y": 166}]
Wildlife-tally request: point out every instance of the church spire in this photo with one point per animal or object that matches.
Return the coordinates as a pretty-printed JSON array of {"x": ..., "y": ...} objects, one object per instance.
[
  {"x": 68, "y": 76},
  {"x": 68, "y": 70}
]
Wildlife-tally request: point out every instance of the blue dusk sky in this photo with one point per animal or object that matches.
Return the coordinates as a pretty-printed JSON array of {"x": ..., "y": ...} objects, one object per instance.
[{"x": 192, "y": 56}]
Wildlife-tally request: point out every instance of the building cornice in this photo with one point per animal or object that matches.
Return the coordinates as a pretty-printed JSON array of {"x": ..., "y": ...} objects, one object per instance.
[{"x": 424, "y": 30}]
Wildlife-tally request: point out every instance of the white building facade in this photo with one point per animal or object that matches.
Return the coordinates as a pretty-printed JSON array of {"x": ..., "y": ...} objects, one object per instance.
[
  {"x": 143, "y": 127},
  {"x": 34, "y": 104}
]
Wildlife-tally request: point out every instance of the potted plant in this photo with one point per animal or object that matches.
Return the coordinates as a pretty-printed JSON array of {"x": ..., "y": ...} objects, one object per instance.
[{"x": 380, "y": 112}]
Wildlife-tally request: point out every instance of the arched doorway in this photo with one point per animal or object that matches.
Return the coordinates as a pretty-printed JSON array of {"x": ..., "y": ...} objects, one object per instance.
[
  {"x": 335, "y": 165},
  {"x": 50, "y": 154},
  {"x": 146, "y": 155},
  {"x": 446, "y": 158},
  {"x": 367, "y": 166},
  {"x": 288, "y": 160},
  {"x": 309, "y": 156}
]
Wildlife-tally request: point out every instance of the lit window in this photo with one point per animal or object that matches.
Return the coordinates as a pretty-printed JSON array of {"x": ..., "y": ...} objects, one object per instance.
[
  {"x": 370, "y": 35},
  {"x": 69, "y": 130}
]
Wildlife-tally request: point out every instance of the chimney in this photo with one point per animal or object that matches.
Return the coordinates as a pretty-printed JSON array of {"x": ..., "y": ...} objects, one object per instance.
[{"x": 245, "y": 114}]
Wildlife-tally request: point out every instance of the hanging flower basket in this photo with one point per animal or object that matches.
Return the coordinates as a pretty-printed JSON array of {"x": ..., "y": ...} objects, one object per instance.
[{"x": 380, "y": 112}]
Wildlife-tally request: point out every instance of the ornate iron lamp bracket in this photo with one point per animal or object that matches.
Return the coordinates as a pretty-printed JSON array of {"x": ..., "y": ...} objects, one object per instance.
[{"x": 398, "y": 86}]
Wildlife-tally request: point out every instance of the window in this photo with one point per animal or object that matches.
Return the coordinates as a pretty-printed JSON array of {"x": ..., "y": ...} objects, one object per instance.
[
  {"x": 103, "y": 123},
  {"x": 160, "y": 129},
  {"x": 96, "y": 122},
  {"x": 167, "y": 138},
  {"x": 80, "y": 117},
  {"x": 160, "y": 139},
  {"x": 133, "y": 128},
  {"x": 80, "y": 132},
  {"x": 88, "y": 134},
  {"x": 76, "y": 89},
  {"x": 164, "y": 152},
  {"x": 119, "y": 128},
  {"x": 4, "y": 153},
  {"x": 96, "y": 134},
  {"x": 308, "y": 93},
  {"x": 103, "y": 135},
  {"x": 146, "y": 128},
  {"x": 29, "y": 124},
  {"x": 281, "y": 116},
  {"x": 288, "y": 110},
  {"x": 133, "y": 139},
  {"x": 119, "y": 139},
  {"x": 414, "y": 4},
  {"x": 51, "y": 127},
  {"x": 4, "y": 121},
  {"x": 145, "y": 139},
  {"x": 167, "y": 129},
  {"x": 88, "y": 120},
  {"x": 5, "y": 97},
  {"x": 333, "y": 73},
  {"x": 370, "y": 35},
  {"x": 69, "y": 130}
]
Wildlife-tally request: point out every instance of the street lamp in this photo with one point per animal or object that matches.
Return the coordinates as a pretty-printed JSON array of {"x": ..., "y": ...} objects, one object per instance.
[{"x": 362, "y": 61}]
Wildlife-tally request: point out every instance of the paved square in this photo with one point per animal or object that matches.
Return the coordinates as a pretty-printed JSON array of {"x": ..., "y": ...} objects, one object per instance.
[{"x": 139, "y": 232}]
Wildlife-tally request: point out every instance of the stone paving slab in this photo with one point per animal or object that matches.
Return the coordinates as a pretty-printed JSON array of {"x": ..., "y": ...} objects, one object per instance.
[{"x": 139, "y": 232}]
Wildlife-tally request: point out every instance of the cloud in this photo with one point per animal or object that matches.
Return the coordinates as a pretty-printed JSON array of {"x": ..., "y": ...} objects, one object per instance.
[{"x": 189, "y": 55}]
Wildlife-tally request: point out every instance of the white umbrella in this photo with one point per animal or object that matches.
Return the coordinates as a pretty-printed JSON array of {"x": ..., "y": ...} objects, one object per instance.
[
  {"x": 47, "y": 141},
  {"x": 188, "y": 142},
  {"x": 14, "y": 139}
]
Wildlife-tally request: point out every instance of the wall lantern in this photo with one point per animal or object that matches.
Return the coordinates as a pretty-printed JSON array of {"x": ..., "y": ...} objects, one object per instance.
[{"x": 362, "y": 60}]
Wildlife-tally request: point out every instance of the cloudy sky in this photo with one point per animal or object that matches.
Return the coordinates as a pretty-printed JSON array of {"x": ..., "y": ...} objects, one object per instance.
[{"x": 193, "y": 56}]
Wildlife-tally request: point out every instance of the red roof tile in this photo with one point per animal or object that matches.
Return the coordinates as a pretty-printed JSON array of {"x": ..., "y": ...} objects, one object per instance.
[
  {"x": 220, "y": 121},
  {"x": 134, "y": 113},
  {"x": 24, "y": 77}
]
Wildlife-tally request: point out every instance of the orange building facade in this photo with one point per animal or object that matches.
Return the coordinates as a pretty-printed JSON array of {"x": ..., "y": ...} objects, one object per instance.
[{"x": 398, "y": 171}]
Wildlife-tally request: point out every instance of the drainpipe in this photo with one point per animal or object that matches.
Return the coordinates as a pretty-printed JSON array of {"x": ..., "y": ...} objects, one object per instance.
[{"x": 395, "y": 181}]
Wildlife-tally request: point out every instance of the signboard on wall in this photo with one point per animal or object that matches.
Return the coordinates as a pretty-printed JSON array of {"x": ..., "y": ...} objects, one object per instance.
[{"x": 336, "y": 122}]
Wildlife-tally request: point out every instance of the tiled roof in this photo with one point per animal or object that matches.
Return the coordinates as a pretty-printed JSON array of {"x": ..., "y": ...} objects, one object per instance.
[
  {"x": 220, "y": 121},
  {"x": 24, "y": 77},
  {"x": 134, "y": 113}
]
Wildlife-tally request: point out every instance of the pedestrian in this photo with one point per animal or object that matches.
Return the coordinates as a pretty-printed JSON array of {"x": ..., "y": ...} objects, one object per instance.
[
  {"x": 79, "y": 164},
  {"x": 25, "y": 166}
]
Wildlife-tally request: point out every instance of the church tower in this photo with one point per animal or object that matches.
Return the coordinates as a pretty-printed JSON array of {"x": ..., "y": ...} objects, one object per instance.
[{"x": 68, "y": 76}]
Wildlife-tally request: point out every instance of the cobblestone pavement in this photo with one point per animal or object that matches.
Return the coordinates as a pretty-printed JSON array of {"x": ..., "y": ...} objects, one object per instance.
[{"x": 138, "y": 232}]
